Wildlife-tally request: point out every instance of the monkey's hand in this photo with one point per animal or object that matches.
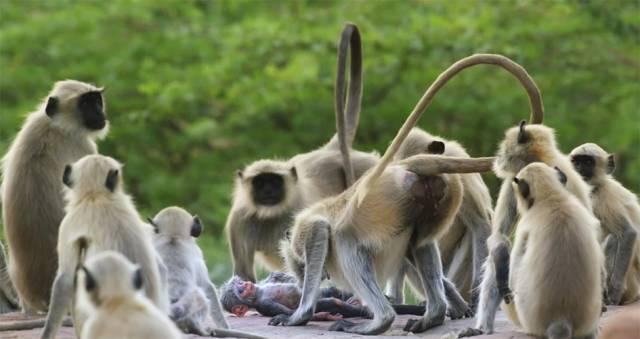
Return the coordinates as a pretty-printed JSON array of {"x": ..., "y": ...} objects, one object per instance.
[
  {"x": 470, "y": 332},
  {"x": 507, "y": 296},
  {"x": 290, "y": 320}
]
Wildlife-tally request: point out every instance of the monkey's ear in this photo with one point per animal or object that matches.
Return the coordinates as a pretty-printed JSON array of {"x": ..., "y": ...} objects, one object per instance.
[
  {"x": 294, "y": 172},
  {"x": 66, "y": 176},
  {"x": 436, "y": 147},
  {"x": 152, "y": 223},
  {"x": 137, "y": 279},
  {"x": 89, "y": 282},
  {"x": 196, "y": 227},
  {"x": 523, "y": 137},
  {"x": 561, "y": 175},
  {"x": 52, "y": 106},
  {"x": 112, "y": 180},
  {"x": 611, "y": 164},
  {"x": 523, "y": 187}
]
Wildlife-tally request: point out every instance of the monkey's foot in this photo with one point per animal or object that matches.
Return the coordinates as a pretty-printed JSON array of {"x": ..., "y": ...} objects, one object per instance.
[
  {"x": 423, "y": 324},
  {"x": 342, "y": 326},
  {"x": 288, "y": 320},
  {"x": 470, "y": 332},
  {"x": 459, "y": 310},
  {"x": 614, "y": 294},
  {"x": 361, "y": 328}
]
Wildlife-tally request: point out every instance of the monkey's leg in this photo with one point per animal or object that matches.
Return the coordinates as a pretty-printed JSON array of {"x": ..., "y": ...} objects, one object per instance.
[
  {"x": 243, "y": 248},
  {"x": 501, "y": 257},
  {"x": 457, "y": 308},
  {"x": 357, "y": 263},
  {"x": 480, "y": 230},
  {"x": 9, "y": 296},
  {"x": 214, "y": 305},
  {"x": 429, "y": 266},
  {"x": 395, "y": 286},
  {"x": 488, "y": 303},
  {"x": 337, "y": 306},
  {"x": 621, "y": 249},
  {"x": 315, "y": 253},
  {"x": 61, "y": 295}
]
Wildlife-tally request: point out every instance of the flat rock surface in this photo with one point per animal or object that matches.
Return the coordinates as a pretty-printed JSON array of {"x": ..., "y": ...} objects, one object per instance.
[{"x": 628, "y": 316}]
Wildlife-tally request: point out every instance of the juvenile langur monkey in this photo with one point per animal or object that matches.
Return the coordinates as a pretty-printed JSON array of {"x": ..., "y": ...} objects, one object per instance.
[
  {"x": 474, "y": 218},
  {"x": 618, "y": 210},
  {"x": 194, "y": 301},
  {"x": 101, "y": 213},
  {"x": 268, "y": 193},
  {"x": 555, "y": 267},
  {"x": 61, "y": 131},
  {"x": 522, "y": 145},
  {"x": 112, "y": 288},
  {"x": 361, "y": 236}
]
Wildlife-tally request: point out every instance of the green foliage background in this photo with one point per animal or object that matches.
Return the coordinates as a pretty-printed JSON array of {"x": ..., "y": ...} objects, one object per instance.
[{"x": 197, "y": 89}]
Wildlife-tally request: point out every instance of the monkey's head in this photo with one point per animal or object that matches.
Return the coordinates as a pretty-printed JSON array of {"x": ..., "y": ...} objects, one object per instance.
[
  {"x": 175, "y": 222},
  {"x": 78, "y": 108},
  {"x": 592, "y": 162},
  {"x": 95, "y": 175},
  {"x": 269, "y": 187},
  {"x": 419, "y": 141},
  {"x": 523, "y": 145},
  {"x": 538, "y": 181},
  {"x": 237, "y": 295},
  {"x": 108, "y": 275}
]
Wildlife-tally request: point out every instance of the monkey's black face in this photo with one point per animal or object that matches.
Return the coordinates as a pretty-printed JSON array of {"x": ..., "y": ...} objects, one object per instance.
[
  {"x": 268, "y": 189},
  {"x": 585, "y": 165},
  {"x": 92, "y": 111}
]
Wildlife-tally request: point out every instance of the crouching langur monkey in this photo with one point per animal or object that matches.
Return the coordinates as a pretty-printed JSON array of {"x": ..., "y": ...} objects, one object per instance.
[
  {"x": 361, "y": 236},
  {"x": 279, "y": 293},
  {"x": 268, "y": 193},
  {"x": 555, "y": 267},
  {"x": 100, "y": 216},
  {"x": 194, "y": 301},
  {"x": 110, "y": 287},
  {"x": 522, "y": 145},
  {"x": 61, "y": 131},
  {"x": 618, "y": 210}
]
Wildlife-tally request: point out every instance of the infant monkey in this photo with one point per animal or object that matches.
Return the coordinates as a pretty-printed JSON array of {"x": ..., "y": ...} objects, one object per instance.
[{"x": 279, "y": 293}]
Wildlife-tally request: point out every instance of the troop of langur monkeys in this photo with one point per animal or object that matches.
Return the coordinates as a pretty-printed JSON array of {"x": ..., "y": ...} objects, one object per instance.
[{"x": 421, "y": 212}]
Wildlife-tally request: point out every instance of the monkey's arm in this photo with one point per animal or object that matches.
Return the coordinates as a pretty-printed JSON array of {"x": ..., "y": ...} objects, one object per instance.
[
  {"x": 618, "y": 252},
  {"x": 279, "y": 277},
  {"x": 242, "y": 252},
  {"x": 506, "y": 210},
  {"x": 337, "y": 306},
  {"x": 6, "y": 286},
  {"x": 61, "y": 296}
]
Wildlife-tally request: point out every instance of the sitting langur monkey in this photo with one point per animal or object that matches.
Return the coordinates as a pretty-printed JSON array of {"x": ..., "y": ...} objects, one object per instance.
[
  {"x": 111, "y": 287},
  {"x": 194, "y": 301},
  {"x": 619, "y": 214},
  {"x": 268, "y": 193},
  {"x": 61, "y": 131},
  {"x": 104, "y": 216},
  {"x": 361, "y": 236},
  {"x": 522, "y": 145},
  {"x": 555, "y": 267}
]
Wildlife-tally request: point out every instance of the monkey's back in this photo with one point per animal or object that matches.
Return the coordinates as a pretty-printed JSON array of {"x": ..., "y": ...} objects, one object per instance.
[
  {"x": 33, "y": 205},
  {"x": 558, "y": 275}
]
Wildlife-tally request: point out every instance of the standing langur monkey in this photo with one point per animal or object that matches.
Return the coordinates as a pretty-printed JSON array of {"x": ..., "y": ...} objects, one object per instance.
[
  {"x": 100, "y": 217},
  {"x": 555, "y": 266},
  {"x": 361, "y": 236},
  {"x": 268, "y": 193},
  {"x": 111, "y": 287},
  {"x": 619, "y": 214},
  {"x": 61, "y": 131},
  {"x": 194, "y": 301}
]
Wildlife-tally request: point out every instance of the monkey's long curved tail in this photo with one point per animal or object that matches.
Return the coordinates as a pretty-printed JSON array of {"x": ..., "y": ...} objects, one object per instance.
[
  {"x": 347, "y": 124},
  {"x": 535, "y": 100}
]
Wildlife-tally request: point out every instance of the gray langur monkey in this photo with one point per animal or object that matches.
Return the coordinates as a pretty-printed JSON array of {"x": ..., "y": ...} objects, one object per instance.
[
  {"x": 100, "y": 216},
  {"x": 112, "y": 288},
  {"x": 555, "y": 266},
  {"x": 522, "y": 145},
  {"x": 462, "y": 259},
  {"x": 361, "y": 236},
  {"x": 194, "y": 301},
  {"x": 268, "y": 193},
  {"x": 618, "y": 210},
  {"x": 61, "y": 131}
]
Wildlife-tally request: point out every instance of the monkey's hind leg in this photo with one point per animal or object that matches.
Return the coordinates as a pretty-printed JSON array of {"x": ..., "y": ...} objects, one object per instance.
[
  {"x": 8, "y": 297},
  {"x": 429, "y": 265},
  {"x": 618, "y": 253},
  {"x": 315, "y": 253},
  {"x": 488, "y": 303},
  {"x": 357, "y": 263},
  {"x": 458, "y": 308}
]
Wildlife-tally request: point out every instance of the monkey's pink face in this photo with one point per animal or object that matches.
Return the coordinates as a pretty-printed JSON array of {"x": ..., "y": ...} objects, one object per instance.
[
  {"x": 239, "y": 310},
  {"x": 246, "y": 289}
]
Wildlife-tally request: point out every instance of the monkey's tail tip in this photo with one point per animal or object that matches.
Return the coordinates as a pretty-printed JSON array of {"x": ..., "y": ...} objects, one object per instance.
[{"x": 559, "y": 329}]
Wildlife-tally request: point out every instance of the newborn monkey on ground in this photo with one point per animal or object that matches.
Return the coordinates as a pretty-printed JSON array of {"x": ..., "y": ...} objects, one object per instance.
[{"x": 279, "y": 293}]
